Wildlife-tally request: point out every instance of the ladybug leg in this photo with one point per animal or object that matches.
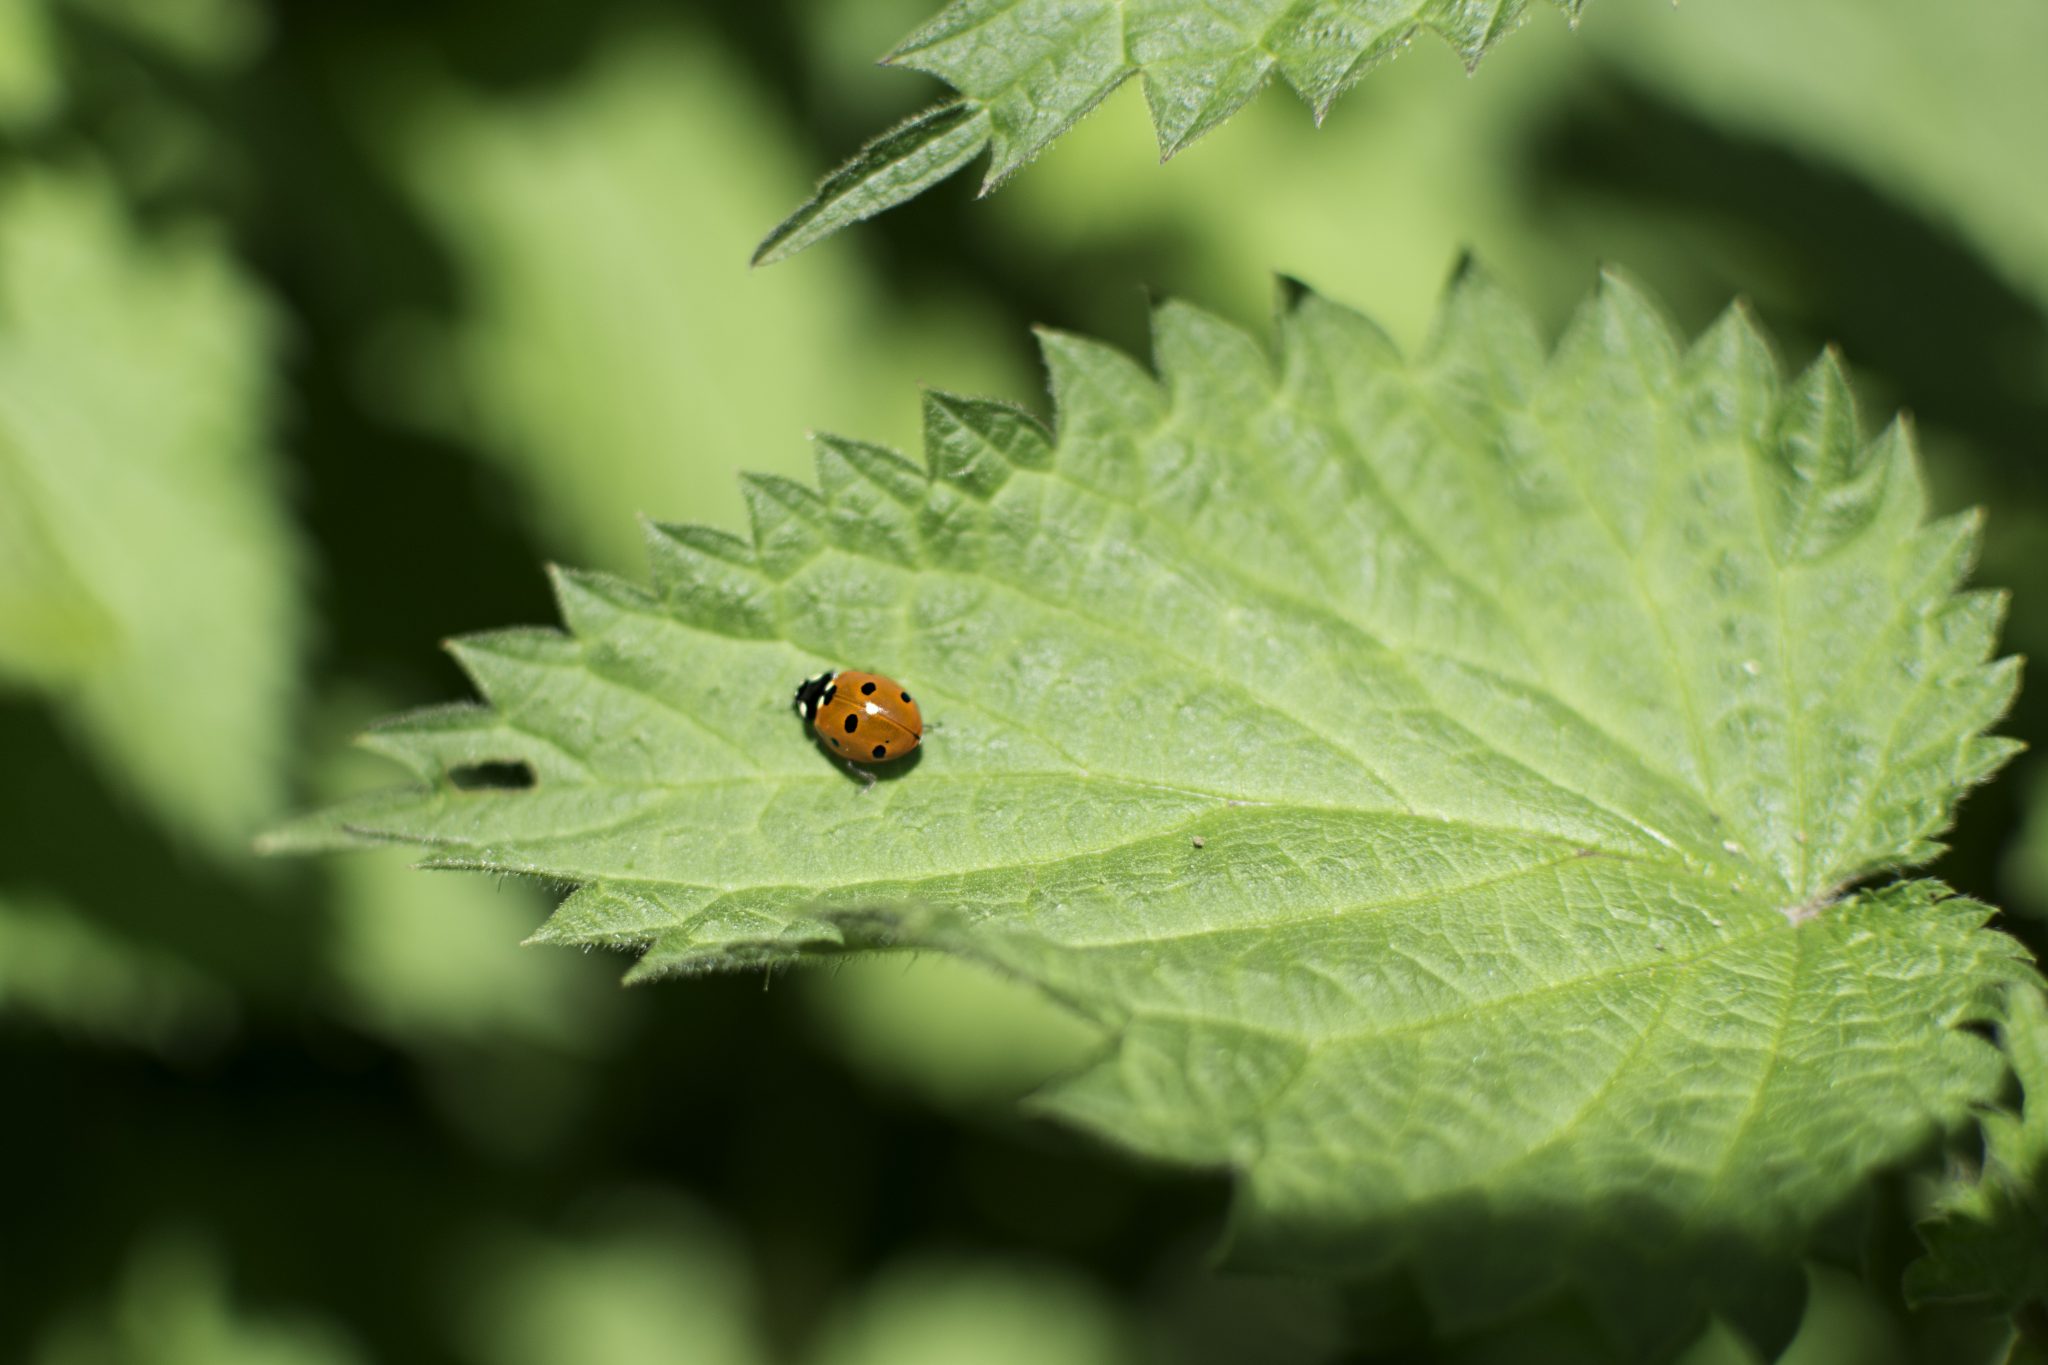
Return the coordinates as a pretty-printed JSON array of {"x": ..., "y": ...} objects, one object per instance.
[{"x": 867, "y": 779}]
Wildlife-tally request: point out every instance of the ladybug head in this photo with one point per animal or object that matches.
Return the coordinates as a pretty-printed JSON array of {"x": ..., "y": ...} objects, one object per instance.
[{"x": 812, "y": 693}]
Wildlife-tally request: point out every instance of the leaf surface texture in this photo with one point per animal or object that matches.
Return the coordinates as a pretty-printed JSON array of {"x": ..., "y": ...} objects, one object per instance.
[
  {"x": 1027, "y": 70},
  {"x": 1448, "y": 779}
]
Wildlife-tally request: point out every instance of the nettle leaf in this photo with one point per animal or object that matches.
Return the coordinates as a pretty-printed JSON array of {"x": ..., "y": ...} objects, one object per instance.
[
  {"x": 1988, "y": 1239},
  {"x": 1027, "y": 70},
  {"x": 1446, "y": 779}
]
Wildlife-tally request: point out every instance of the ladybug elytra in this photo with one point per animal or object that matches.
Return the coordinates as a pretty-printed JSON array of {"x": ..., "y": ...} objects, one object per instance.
[{"x": 864, "y": 717}]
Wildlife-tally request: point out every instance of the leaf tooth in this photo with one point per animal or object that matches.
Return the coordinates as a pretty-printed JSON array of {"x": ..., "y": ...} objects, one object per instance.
[
  {"x": 1999, "y": 682},
  {"x": 1935, "y": 559},
  {"x": 515, "y": 671},
  {"x": 1966, "y": 627},
  {"x": 1323, "y": 49},
  {"x": 787, "y": 520},
  {"x": 1968, "y": 702},
  {"x": 1290, "y": 292},
  {"x": 1212, "y": 368},
  {"x": 1105, "y": 404},
  {"x": 724, "y": 546},
  {"x": 1472, "y": 27},
  {"x": 1954, "y": 753},
  {"x": 1194, "y": 75},
  {"x": 711, "y": 579},
  {"x": 1986, "y": 755},
  {"x": 884, "y": 468},
  {"x": 596, "y": 605},
  {"x": 1622, "y": 336},
  {"x": 681, "y": 952},
  {"x": 609, "y": 915},
  {"x": 1059, "y": 58},
  {"x": 1330, "y": 353},
  {"x": 487, "y": 657},
  {"x": 1828, "y": 485},
  {"x": 974, "y": 443},
  {"x": 1732, "y": 377},
  {"x": 900, "y": 164},
  {"x": 869, "y": 494},
  {"x": 1895, "y": 486},
  {"x": 1483, "y": 332},
  {"x": 1818, "y": 433}
]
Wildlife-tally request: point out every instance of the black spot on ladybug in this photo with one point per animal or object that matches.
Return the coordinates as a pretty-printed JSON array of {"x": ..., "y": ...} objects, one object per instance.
[
  {"x": 881, "y": 749},
  {"x": 867, "y": 689},
  {"x": 852, "y": 724},
  {"x": 837, "y": 745},
  {"x": 906, "y": 696}
]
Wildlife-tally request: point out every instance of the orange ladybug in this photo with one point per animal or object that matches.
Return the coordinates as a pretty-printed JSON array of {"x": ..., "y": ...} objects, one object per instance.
[{"x": 861, "y": 716}]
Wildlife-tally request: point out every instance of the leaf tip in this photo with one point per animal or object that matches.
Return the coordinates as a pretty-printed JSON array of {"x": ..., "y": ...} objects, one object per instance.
[
  {"x": 897, "y": 165},
  {"x": 1291, "y": 292},
  {"x": 1620, "y": 282},
  {"x": 1467, "y": 269}
]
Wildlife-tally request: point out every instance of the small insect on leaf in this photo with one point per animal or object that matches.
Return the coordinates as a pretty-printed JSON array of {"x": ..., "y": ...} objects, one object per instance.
[{"x": 864, "y": 717}]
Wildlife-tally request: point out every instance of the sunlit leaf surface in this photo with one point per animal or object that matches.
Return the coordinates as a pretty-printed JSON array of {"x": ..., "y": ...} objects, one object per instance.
[
  {"x": 1027, "y": 70},
  {"x": 1453, "y": 781}
]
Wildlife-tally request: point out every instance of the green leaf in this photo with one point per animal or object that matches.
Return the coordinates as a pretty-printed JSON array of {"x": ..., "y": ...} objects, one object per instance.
[
  {"x": 1987, "y": 1241},
  {"x": 1447, "y": 779},
  {"x": 159, "y": 595},
  {"x": 900, "y": 164},
  {"x": 1027, "y": 70}
]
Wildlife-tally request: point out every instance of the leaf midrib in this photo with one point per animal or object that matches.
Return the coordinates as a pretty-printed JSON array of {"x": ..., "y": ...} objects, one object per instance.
[{"x": 447, "y": 797}]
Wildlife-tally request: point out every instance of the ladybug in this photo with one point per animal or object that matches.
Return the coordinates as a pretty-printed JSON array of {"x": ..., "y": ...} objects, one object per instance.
[{"x": 864, "y": 717}]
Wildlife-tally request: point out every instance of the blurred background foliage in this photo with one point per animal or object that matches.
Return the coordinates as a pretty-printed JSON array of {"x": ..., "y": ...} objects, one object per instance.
[{"x": 321, "y": 327}]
